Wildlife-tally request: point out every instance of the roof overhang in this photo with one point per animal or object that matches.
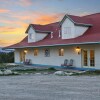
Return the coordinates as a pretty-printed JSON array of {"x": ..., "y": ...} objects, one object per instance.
[
  {"x": 69, "y": 44},
  {"x": 37, "y": 31}
]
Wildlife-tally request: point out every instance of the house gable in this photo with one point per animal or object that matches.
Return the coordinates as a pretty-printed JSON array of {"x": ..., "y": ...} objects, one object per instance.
[
  {"x": 71, "y": 29},
  {"x": 31, "y": 35},
  {"x": 34, "y": 35}
]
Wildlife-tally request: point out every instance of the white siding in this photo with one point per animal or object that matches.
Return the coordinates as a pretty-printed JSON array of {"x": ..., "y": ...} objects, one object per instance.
[
  {"x": 68, "y": 23},
  {"x": 36, "y": 36},
  {"x": 31, "y": 31},
  {"x": 75, "y": 30},
  {"x": 40, "y": 36},
  {"x": 55, "y": 59},
  {"x": 79, "y": 30},
  {"x": 17, "y": 56}
]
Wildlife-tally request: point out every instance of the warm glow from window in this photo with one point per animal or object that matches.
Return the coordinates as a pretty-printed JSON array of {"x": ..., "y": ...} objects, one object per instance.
[
  {"x": 35, "y": 52},
  {"x": 61, "y": 52}
]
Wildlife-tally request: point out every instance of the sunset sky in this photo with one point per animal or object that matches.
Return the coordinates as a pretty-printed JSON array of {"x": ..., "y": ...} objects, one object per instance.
[{"x": 16, "y": 15}]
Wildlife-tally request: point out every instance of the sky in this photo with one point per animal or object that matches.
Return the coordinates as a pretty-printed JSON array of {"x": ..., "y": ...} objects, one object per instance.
[{"x": 16, "y": 15}]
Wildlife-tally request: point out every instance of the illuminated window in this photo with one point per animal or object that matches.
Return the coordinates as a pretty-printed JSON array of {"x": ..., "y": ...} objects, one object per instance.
[
  {"x": 35, "y": 52},
  {"x": 61, "y": 52},
  {"x": 47, "y": 53},
  {"x": 67, "y": 30}
]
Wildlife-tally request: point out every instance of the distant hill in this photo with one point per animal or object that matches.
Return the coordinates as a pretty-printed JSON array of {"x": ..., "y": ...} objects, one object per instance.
[{"x": 6, "y": 50}]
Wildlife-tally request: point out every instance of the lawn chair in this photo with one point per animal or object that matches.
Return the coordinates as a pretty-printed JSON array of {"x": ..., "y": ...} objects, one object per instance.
[
  {"x": 27, "y": 62},
  {"x": 71, "y": 62},
  {"x": 65, "y": 63}
]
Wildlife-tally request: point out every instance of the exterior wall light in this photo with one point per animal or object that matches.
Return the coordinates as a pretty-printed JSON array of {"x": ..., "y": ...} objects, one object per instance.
[
  {"x": 78, "y": 50},
  {"x": 25, "y": 51}
]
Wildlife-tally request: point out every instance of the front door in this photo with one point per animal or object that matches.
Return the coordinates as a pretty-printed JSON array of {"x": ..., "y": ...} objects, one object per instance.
[
  {"x": 22, "y": 56},
  {"x": 88, "y": 58}
]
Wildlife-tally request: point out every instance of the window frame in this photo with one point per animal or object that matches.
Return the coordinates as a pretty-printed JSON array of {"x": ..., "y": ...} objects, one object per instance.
[
  {"x": 61, "y": 52},
  {"x": 67, "y": 30},
  {"x": 36, "y": 52},
  {"x": 31, "y": 36},
  {"x": 48, "y": 51}
]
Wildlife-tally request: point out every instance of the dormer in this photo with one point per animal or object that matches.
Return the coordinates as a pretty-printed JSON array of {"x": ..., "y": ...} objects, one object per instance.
[
  {"x": 34, "y": 34},
  {"x": 73, "y": 26}
]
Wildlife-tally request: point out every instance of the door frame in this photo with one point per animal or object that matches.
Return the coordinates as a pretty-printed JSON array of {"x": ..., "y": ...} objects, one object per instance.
[{"x": 88, "y": 58}]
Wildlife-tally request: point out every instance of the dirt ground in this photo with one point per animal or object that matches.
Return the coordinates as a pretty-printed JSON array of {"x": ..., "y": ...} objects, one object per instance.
[{"x": 49, "y": 87}]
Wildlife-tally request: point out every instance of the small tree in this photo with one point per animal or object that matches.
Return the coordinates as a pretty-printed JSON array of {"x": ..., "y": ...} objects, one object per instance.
[{"x": 7, "y": 57}]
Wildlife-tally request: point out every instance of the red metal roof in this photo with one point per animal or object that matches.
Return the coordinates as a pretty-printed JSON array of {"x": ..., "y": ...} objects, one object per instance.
[
  {"x": 91, "y": 35},
  {"x": 43, "y": 28},
  {"x": 81, "y": 20}
]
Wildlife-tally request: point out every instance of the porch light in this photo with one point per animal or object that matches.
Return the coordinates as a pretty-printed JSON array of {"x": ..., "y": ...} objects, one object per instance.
[
  {"x": 78, "y": 50},
  {"x": 25, "y": 51}
]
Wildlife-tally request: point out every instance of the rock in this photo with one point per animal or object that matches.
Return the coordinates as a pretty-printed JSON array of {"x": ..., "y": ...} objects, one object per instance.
[
  {"x": 81, "y": 72},
  {"x": 45, "y": 73},
  {"x": 63, "y": 73},
  {"x": 38, "y": 73},
  {"x": 15, "y": 72},
  {"x": 1, "y": 73},
  {"x": 68, "y": 73},
  {"x": 7, "y": 72},
  {"x": 59, "y": 73}
]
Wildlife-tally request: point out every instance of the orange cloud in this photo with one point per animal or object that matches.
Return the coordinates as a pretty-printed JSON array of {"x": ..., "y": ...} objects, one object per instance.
[
  {"x": 5, "y": 42},
  {"x": 21, "y": 17},
  {"x": 4, "y": 11},
  {"x": 14, "y": 31},
  {"x": 8, "y": 39},
  {"x": 14, "y": 23},
  {"x": 46, "y": 19}
]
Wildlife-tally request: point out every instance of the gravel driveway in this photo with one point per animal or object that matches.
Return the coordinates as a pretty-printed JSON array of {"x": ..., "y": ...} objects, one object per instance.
[{"x": 49, "y": 87}]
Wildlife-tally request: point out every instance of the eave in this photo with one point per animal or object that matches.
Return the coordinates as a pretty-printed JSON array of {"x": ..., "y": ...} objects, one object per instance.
[{"x": 69, "y": 44}]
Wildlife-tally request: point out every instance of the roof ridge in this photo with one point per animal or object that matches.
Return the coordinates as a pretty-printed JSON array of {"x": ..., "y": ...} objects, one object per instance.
[
  {"x": 46, "y": 24},
  {"x": 91, "y": 14}
]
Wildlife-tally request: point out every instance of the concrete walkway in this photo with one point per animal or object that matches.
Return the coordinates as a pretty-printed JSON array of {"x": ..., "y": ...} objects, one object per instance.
[{"x": 49, "y": 87}]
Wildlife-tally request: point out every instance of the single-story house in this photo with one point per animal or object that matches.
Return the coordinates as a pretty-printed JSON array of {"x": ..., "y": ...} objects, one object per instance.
[{"x": 73, "y": 37}]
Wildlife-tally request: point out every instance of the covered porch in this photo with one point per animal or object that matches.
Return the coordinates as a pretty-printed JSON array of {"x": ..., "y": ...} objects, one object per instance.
[{"x": 84, "y": 56}]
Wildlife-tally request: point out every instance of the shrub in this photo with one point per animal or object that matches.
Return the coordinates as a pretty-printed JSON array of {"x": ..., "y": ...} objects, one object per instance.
[
  {"x": 52, "y": 69},
  {"x": 7, "y": 57}
]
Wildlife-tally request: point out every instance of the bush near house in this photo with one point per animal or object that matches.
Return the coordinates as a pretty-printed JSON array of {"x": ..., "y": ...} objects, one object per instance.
[{"x": 7, "y": 57}]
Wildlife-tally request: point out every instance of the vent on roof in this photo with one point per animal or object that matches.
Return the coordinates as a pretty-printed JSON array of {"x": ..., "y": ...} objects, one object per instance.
[
  {"x": 59, "y": 33},
  {"x": 51, "y": 34}
]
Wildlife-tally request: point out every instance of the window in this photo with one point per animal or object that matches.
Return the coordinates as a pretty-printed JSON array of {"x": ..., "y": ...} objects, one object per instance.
[
  {"x": 47, "y": 53},
  {"x": 35, "y": 52},
  {"x": 31, "y": 36},
  {"x": 61, "y": 52},
  {"x": 92, "y": 58},
  {"x": 67, "y": 30}
]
